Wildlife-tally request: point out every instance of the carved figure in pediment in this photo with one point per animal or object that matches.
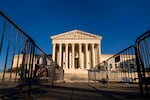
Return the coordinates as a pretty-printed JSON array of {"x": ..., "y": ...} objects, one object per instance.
[{"x": 76, "y": 34}]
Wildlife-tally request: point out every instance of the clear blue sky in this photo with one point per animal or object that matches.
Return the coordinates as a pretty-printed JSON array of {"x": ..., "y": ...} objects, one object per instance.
[{"x": 119, "y": 22}]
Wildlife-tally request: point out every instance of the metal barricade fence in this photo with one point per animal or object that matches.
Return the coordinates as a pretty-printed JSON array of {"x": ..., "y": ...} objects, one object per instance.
[
  {"x": 131, "y": 65},
  {"x": 122, "y": 66},
  {"x": 118, "y": 68},
  {"x": 12, "y": 46},
  {"x": 18, "y": 54},
  {"x": 143, "y": 62}
]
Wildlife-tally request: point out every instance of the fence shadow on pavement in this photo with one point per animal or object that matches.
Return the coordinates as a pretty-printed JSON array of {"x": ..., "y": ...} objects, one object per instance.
[{"x": 77, "y": 91}]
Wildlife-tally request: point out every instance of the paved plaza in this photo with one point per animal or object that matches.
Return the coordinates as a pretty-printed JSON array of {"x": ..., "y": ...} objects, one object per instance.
[{"x": 76, "y": 91}]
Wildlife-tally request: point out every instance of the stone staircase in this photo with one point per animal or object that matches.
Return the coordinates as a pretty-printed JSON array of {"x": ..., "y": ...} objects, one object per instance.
[{"x": 76, "y": 75}]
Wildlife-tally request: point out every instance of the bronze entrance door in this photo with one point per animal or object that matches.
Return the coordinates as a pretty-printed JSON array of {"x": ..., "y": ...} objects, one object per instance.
[{"x": 76, "y": 63}]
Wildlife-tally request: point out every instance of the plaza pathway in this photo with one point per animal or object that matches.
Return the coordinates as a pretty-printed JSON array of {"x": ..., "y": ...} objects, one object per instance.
[{"x": 76, "y": 91}]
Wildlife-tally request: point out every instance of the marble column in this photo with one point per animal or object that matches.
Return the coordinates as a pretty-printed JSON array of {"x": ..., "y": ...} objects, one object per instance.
[
  {"x": 98, "y": 53},
  {"x": 73, "y": 55},
  {"x": 63, "y": 56},
  {"x": 41, "y": 60},
  {"x": 70, "y": 57},
  {"x": 66, "y": 46},
  {"x": 93, "y": 55},
  {"x": 60, "y": 54},
  {"x": 80, "y": 59},
  {"x": 86, "y": 55},
  {"x": 54, "y": 54}
]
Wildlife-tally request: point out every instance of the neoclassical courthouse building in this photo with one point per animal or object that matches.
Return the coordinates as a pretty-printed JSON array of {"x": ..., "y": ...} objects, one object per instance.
[{"x": 76, "y": 50}]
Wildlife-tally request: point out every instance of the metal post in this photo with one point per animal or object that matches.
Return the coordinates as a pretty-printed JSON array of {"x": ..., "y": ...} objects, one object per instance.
[
  {"x": 7, "y": 52},
  {"x": 107, "y": 73}
]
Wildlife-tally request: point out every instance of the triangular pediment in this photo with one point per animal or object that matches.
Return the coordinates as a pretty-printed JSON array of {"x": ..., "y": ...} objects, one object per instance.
[{"x": 74, "y": 34}]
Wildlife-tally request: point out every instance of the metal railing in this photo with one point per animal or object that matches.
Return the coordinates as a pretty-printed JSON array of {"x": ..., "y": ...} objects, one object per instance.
[
  {"x": 18, "y": 55},
  {"x": 131, "y": 65},
  {"x": 125, "y": 68},
  {"x": 143, "y": 62},
  {"x": 119, "y": 68}
]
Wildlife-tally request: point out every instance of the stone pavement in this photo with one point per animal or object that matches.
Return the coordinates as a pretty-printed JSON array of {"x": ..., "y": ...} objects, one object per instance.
[{"x": 76, "y": 91}]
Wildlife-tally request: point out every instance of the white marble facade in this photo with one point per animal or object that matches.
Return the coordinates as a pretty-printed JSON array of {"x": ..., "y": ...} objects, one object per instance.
[{"x": 76, "y": 49}]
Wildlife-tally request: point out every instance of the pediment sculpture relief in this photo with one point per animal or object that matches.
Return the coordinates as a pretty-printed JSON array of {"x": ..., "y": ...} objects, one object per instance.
[{"x": 75, "y": 35}]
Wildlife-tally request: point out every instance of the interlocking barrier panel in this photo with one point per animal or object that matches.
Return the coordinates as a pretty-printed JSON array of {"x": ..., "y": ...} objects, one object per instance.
[
  {"x": 143, "y": 62},
  {"x": 131, "y": 65},
  {"x": 18, "y": 55},
  {"x": 119, "y": 68}
]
